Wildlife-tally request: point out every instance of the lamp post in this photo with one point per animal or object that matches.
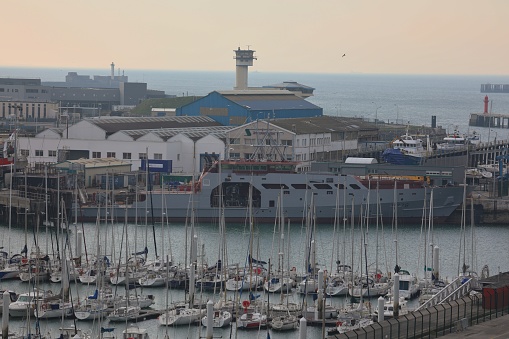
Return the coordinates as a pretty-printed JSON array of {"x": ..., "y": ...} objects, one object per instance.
[{"x": 397, "y": 113}]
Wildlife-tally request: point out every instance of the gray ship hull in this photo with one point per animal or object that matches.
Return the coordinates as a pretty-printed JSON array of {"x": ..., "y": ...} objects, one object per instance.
[{"x": 332, "y": 195}]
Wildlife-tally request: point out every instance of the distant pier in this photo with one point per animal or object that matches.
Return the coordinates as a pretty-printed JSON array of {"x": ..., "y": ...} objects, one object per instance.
[
  {"x": 494, "y": 88},
  {"x": 489, "y": 120}
]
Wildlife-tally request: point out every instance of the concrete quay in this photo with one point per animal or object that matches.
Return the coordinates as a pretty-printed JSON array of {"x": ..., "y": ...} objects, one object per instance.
[{"x": 495, "y": 328}]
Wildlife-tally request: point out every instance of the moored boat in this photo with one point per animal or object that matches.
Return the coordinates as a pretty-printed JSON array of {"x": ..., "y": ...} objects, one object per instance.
[{"x": 266, "y": 179}]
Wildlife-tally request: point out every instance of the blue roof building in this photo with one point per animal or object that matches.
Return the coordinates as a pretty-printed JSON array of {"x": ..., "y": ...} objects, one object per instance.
[{"x": 234, "y": 108}]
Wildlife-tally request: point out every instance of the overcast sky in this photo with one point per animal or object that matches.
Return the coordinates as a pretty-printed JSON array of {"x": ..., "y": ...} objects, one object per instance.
[{"x": 391, "y": 36}]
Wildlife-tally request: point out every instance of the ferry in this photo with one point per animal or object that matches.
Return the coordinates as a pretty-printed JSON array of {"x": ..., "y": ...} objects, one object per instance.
[{"x": 236, "y": 187}]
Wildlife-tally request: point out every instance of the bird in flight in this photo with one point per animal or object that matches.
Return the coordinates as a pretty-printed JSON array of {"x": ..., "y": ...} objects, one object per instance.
[{"x": 344, "y": 55}]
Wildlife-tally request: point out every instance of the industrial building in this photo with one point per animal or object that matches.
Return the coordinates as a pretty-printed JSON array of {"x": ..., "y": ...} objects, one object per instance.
[
  {"x": 305, "y": 140},
  {"x": 78, "y": 94},
  {"x": 186, "y": 141},
  {"x": 234, "y": 108}
]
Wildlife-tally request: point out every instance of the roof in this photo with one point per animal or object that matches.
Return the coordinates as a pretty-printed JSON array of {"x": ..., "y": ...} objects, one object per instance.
[
  {"x": 100, "y": 162},
  {"x": 114, "y": 124},
  {"x": 289, "y": 84},
  {"x": 194, "y": 133},
  {"x": 321, "y": 124},
  {"x": 268, "y": 100}
]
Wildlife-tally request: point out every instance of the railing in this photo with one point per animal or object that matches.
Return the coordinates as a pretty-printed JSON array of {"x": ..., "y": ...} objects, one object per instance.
[
  {"x": 458, "y": 288},
  {"x": 438, "y": 320}
]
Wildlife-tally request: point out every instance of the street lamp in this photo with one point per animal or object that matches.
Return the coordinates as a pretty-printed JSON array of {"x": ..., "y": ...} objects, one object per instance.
[{"x": 397, "y": 113}]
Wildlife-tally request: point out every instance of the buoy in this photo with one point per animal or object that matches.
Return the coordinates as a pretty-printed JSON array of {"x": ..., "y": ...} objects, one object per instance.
[{"x": 246, "y": 303}]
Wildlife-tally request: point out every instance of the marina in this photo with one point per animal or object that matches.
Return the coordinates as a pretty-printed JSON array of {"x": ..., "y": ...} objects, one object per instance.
[{"x": 487, "y": 249}]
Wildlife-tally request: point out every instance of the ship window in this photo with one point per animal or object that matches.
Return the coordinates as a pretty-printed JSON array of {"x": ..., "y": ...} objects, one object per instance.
[
  {"x": 329, "y": 192},
  {"x": 274, "y": 186},
  {"x": 355, "y": 186},
  {"x": 300, "y": 186},
  {"x": 286, "y": 192},
  {"x": 340, "y": 186},
  {"x": 329, "y": 180},
  {"x": 271, "y": 203},
  {"x": 322, "y": 186}
]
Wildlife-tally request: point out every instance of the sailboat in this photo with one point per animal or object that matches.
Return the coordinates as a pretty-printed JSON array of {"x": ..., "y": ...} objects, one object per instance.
[
  {"x": 216, "y": 276},
  {"x": 185, "y": 314}
]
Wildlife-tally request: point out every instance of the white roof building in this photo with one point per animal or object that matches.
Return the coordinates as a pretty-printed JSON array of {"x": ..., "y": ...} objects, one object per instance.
[{"x": 180, "y": 139}]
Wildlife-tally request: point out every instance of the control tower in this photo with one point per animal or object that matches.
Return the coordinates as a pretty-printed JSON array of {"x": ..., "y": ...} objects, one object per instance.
[{"x": 244, "y": 58}]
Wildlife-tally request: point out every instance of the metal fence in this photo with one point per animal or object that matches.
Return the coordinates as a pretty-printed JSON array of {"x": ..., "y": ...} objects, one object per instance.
[{"x": 438, "y": 320}]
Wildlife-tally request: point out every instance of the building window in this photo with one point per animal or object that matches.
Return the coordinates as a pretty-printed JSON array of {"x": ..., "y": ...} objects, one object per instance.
[
  {"x": 52, "y": 153},
  {"x": 234, "y": 141},
  {"x": 142, "y": 156},
  {"x": 110, "y": 154},
  {"x": 39, "y": 153},
  {"x": 235, "y": 156},
  {"x": 286, "y": 142},
  {"x": 178, "y": 157},
  {"x": 158, "y": 156},
  {"x": 25, "y": 152},
  {"x": 249, "y": 141},
  {"x": 126, "y": 156},
  {"x": 96, "y": 154}
]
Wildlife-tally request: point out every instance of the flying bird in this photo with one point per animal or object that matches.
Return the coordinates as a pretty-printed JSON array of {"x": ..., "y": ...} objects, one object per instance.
[{"x": 344, "y": 55}]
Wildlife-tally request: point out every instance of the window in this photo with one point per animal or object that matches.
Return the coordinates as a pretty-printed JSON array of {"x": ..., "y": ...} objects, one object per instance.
[
  {"x": 234, "y": 155},
  {"x": 52, "y": 153},
  {"x": 126, "y": 156},
  {"x": 300, "y": 186},
  {"x": 247, "y": 155},
  {"x": 96, "y": 155},
  {"x": 142, "y": 156},
  {"x": 158, "y": 156},
  {"x": 234, "y": 141},
  {"x": 286, "y": 142},
  {"x": 323, "y": 186},
  {"x": 25, "y": 152},
  {"x": 249, "y": 141},
  {"x": 39, "y": 153},
  {"x": 178, "y": 157},
  {"x": 110, "y": 154},
  {"x": 274, "y": 186}
]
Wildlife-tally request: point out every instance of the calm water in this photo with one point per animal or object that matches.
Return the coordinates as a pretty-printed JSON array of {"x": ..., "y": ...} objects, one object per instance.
[{"x": 490, "y": 247}]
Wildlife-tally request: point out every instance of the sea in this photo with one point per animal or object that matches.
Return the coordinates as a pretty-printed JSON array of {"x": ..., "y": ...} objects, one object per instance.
[{"x": 411, "y": 99}]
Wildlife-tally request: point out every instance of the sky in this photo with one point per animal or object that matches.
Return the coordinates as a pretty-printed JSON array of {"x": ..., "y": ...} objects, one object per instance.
[{"x": 377, "y": 37}]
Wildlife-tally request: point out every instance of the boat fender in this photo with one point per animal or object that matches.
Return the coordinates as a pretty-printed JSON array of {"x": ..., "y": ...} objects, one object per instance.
[
  {"x": 44, "y": 307},
  {"x": 339, "y": 323}
]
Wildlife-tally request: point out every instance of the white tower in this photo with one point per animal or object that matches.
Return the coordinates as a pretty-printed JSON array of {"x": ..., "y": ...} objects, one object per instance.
[
  {"x": 244, "y": 58},
  {"x": 112, "y": 70}
]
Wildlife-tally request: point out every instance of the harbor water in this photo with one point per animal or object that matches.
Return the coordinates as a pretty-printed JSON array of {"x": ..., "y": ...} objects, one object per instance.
[{"x": 488, "y": 248}]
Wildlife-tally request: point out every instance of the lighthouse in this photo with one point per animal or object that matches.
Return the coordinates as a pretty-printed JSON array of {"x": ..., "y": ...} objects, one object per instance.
[{"x": 244, "y": 58}]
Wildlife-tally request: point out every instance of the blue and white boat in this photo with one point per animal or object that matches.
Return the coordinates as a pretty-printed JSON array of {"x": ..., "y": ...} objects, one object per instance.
[{"x": 406, "y": 150}]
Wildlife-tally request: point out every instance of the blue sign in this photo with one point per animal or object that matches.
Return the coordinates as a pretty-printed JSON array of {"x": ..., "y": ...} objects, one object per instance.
[{"x": 161, "y": 166}]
